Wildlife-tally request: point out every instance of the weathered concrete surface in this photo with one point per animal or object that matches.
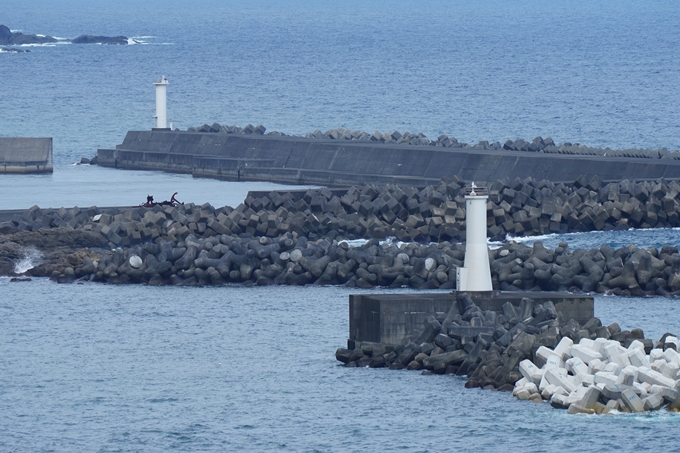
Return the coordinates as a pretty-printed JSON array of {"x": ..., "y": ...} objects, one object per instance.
[
  {"x": 25, "y": 155},
  {"x": 299, "y": 160},
  {"x": 389, "y": 318}
]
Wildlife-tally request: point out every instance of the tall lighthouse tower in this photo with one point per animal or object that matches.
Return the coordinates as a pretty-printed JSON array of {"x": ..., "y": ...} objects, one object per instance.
[
  {"x": 161, "y": 103},
  {"x": 476, "y": 273}
]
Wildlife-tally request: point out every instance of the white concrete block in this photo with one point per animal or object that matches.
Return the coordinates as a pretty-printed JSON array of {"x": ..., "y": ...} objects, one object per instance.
[
  {"x": 599, "y": 345},
  {"x": 636, "y": 344},
  {"x": 560, "y": 378},
  {"x": 531, "y": 387},
  {"x": 642, "y": 389},
  {"x": 530, "y": 371},
  {"x": 548, "y": 392},
  {"x": 543, "y": 353},
  {"x": 672, "y": 340},
  {"x": 523, "y": 394},
  {"x": 563, "y": 348},
  {"x": 560, "y": 391},
  {"x": 613, "y": 405},
  {"x": 667, "y": 394},
  {"x": 522, "y": 382},
  {"x": 652, "y": 402},
  {"x": 627, "y": 376},
  {"x": 588, "y": 380},
  {"x": 554, "y": 361},
  {"x": 672, "y": 356},
  {"x": 576, "y": 366},
  {"x": 595, "y": 366},
  {"x": 559, "y": 401},
  {"x": 543, "y": 384},
  {"x": 578, "y": 393},
  {"x": 612, "y": 368},
  {"x": 658, "y": 364},
  {"x": 632, "y": 401},
  {"x": 587, "y": 342},
  {"x": 605, "y": 378},
  {"x": 637, "y": 357},
  {"x": 576, "y": 408},
  {"x": 656, "y": 354},
  {"x": 585, "y": 354},
  {"x": 590, "y": 397},
  {"x": 617, "y": 354},
  {"x": 670, "y": 369},
  {"x": 613, "y": 391}
]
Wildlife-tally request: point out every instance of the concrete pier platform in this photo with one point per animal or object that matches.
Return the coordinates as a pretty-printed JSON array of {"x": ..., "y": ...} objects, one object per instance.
[
  {"x": 25, "y": 155},
  {"x": 389, "y": 318}
]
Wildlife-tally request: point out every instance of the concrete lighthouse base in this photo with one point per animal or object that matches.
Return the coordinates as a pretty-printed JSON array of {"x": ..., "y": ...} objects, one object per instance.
[{"x": 390, "y": 318}]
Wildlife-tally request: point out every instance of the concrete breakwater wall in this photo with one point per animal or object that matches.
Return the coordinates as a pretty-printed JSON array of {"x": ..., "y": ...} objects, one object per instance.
[
  {"x": 25, "y": 155},
  {"x": 330, "y": 162},
  {"x": 531, "y": 350}
]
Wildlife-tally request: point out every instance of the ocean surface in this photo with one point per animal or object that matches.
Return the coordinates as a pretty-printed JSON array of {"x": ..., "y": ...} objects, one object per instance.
[{"x": 108, "y": 368}]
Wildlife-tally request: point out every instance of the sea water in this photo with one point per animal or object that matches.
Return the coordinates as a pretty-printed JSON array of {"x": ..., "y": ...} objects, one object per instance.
[{"x": 95, "y": 367}]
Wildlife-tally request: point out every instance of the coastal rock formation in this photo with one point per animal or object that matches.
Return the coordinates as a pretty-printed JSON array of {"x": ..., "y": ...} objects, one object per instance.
[
  {"x": 11, "y": 49},
  {"x": 530, "y": 350},
  {"x": 90, "y": 39},
  {"x": 17, "y": 38}
]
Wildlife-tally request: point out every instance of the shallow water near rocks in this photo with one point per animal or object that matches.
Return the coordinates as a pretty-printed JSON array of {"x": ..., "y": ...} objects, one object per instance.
[{"x": 98, "y": 367}]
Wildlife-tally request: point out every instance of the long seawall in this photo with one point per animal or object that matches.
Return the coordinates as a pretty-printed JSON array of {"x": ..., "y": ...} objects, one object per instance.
[{"x": 299, "y": 160}]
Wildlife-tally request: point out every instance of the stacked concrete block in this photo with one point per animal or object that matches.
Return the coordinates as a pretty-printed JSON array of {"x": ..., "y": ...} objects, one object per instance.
[
  {"x": 536, "y": 362},
  {"x": 417, "y": 217},
  {"x": 622, "y": 384},
  {"x": 537, "y": 145}
]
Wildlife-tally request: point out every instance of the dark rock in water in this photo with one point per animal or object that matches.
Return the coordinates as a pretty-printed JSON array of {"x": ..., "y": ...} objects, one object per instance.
[
  {"x": 7, "y": 37},
  {"x": 90, "y": 39},
  {"x": 20, "y": 279},
  {"x": 10, "y": 49},
  {"x": 84, "y": 160}
]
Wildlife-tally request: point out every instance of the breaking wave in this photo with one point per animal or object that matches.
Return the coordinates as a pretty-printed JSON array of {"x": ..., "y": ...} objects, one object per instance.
[{"x": 31, "y": 258}]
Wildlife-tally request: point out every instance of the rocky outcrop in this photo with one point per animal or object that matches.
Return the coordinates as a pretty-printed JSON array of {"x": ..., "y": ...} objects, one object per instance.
[
  {"x": 45, "y": 251},
  {"x": 17, "y": 38},
  {"x": 530, "y": 350},
  {"x": 90, "y": 39},
  {"x": 11, "y": 49}
]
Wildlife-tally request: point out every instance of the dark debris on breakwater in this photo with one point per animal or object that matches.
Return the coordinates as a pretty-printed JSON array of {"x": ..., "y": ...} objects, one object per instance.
[{"x": 538, "y": 144}]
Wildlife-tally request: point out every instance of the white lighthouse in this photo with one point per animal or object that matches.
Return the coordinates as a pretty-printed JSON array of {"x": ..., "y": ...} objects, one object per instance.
[
  {"x": 161, "y": 103},
  {"x": 476, "y": 273}
]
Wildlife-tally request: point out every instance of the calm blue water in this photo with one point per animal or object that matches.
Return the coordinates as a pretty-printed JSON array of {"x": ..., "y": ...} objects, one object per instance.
[
  {"x": 107, "y": 368},
  {"x": 599, "y": 73},
  {"x": 100, "y": 368}
]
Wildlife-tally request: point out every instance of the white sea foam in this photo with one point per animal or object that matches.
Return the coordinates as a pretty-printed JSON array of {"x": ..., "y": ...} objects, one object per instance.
[{"x": 31, "y": 258}]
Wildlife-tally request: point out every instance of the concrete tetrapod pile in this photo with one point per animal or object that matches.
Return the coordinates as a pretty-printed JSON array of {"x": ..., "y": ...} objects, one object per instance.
[
  {"x": 538, "y": 144},
  {"x": 600, "y": 375},
  {"x": 434, "y": 213},
  {"x": 165, "y": 234},
  {"x": 531, "y": 351}
]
